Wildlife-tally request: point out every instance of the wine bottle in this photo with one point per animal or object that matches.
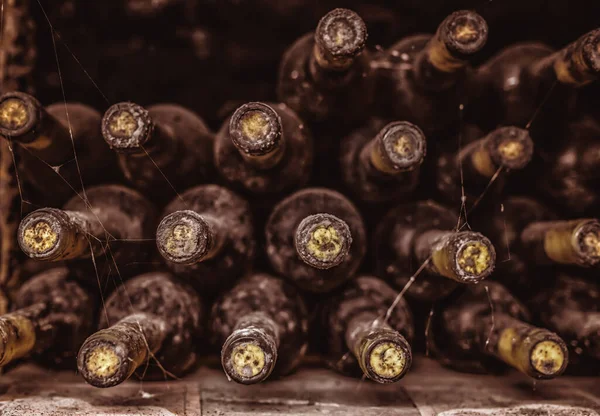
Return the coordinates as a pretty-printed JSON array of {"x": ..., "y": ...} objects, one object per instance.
[
  {"x": 484, "y": 324},
  {"x": 503, "y": 225},
  {"x": 324, "y": 76},
  {"x": 114, "y": 221},
  {"x": 570, "y": 242},
  {"x": 264, "y": 149},
  {"x": 423, "y": 234},
  {"x": 316, "y": 238},
  {"x": 380, "y": 162},
  {"x": 63, "y": 137},
  {"x": 420, "y": 78},
  {"x": 206, "y": 237},
  {"x": 262, "y": 325},
  {"x": 150, "y": 317},
  {"x": 160, "y": 148},
  {"x": 516, "y": 83},
  {"x": 355, "y": 321},
  {"x": 474, "y": 166},
  {"x": 51, "y": 317},
  {"x": 571, "y": 307}
]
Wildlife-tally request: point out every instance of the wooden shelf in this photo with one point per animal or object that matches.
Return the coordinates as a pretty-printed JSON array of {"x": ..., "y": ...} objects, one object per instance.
[{"x": 427, "y": 391}]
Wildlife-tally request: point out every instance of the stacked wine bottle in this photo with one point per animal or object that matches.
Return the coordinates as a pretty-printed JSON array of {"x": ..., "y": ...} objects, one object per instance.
[{"x": 387, "y": 203}]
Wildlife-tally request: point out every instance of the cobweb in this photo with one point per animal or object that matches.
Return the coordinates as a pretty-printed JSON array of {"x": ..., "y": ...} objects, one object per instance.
[{"x": 80, "y": 192}]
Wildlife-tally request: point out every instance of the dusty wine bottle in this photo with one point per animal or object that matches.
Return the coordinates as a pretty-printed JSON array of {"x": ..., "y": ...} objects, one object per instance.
[
  {"x": 51, "y": 317},
  {"x": 324, "y": 76},
  {"x": 355, "y": 321},
  {"x": 114, "y": 220},
  {"x": 206, "y": 237},
  {"x": 484, "y": 324},
  {"x": 571, "y": 307},
  {"x": 154, "y": 317},
  {"x": 264, "y": 148},
  {"x": 571, "y": 242},
  {"x": 474, "y": 166},
  {"x": 420, "y": 78},
  {"x": 422, "y": 234},
  {"x": 165, "y": 139},
  {"x": 503, "y": 226},
  {"x": 380, "y": 162},
  {"x": 65, "y": 137},
  {"x": 516, "y": 82},
  {"x": 262, "y": 325},
  {"x": 316, "y": 238}
]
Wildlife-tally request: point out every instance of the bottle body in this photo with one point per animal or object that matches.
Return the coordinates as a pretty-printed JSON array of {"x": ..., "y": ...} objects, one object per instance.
[
  {"x": 231, "y": 255},
  {"x": 111, "y": 233},
  {"x": 261, "y": 317},
  {"x": 380, "y": 162},
  {"x": 162, "y": 149},
  {"x": 367, "y": 295},
  {"x": 51, "y": 317},
  {"x": 420, "y": 79},
  {"x": 290, "y": 171},
  {"x": 349, "y": 245},
  {"x": 484, "y": 324},
  {"x": 483, "y": 165},
  {"x": 416, "y": 246},
  {"x": 60, "y": 145},
  {"x": 326, "y": 82},
  {"x": 152, "y": 317},
  {"x": 571, "y": 308}
]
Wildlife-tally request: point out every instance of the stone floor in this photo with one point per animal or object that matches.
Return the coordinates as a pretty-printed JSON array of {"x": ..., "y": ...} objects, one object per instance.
[{"x": 428, "y": 390}]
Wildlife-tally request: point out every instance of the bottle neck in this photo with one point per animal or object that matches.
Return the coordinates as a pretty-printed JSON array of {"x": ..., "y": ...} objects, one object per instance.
[
  {"x": 327, "y": 75},
  {"x": 573, "y": 242},
  {"x": 378, "y": 170},
  {"x": 383, "y": 354},
  {"x": 110, "y": 356},
  {"x": 269, "y": 160},
  {"x": 435, "y": 68},
  {"x": 250, "y": 352},
  {"x": 534, "y": 351}
]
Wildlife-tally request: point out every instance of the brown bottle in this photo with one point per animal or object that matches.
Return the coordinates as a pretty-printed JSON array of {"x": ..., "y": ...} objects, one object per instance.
[
  {"x": 420, "y": 78},
  {"x": 570, "y": 242},
  {"x": 206, "y": 237},
  {"x": 355, "y": 321},
  {"x": 51, "y": 317},
  {"x": 262, "y": 325},
  {"x": 49, "y": 138},
  {"x": 529, "y": 236},
  {"x": 316, "y": 238},
  {"x": 503, "y": 224},
  {"x": 571, "y": 307},
  {"x": 264, "y": 149},
  {"x": 151, "y": 317},
  {"x": 517, "y": 83},
  {"x": 114, "y": 226},
  {"x": 324, "y": 76},
  {"x": 484, "y": 324},
  {"x": 380, "y": 162},
  {"x": 421, "y": 237},
  {"x": 162, "y": 149},
  {"x": 481, "y": 161}
]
